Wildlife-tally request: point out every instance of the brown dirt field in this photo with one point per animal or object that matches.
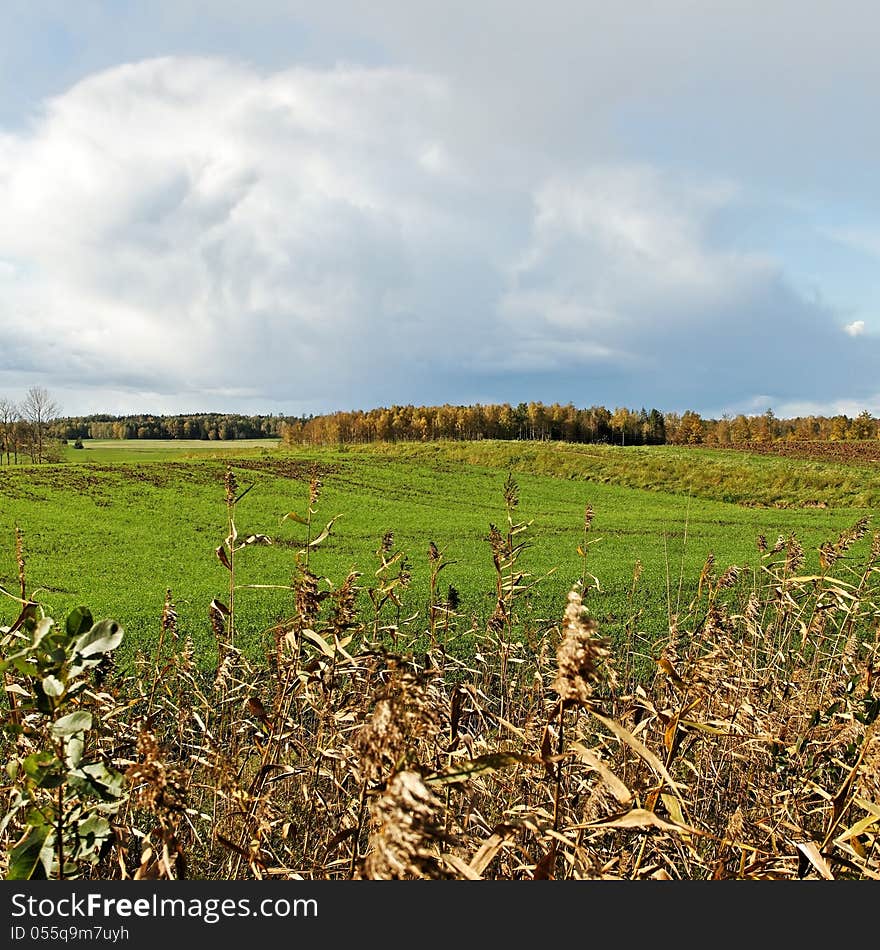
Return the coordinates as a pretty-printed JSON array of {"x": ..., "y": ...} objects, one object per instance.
[{"x": 865, "y": 453}]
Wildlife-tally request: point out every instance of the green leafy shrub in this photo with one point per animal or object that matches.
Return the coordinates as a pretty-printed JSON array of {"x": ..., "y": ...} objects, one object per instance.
[{"x": 63, "y": 791}]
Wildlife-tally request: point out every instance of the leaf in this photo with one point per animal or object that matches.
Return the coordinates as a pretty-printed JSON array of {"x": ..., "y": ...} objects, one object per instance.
[
  {"x": 669, "y": 670},
  {"x": 340, "y": 646},
  {"x": 814, "y": 856},
  {"x": 52, "y": 686},
  {"x": 319, "y": 642},
  {"x": 641, "y": 818},
  {"x": 20, "y": 662},
  {"x": 510, "y": 727},
  {"x": 341, "y": 836},
  {"x": 463, "y": 868},
  {"x": 29, "y": 612},
  {"x": 92, "y": 832},
  {"x": 73, "y": 722},
  {"x": 490, "y": 847},
  {"x": 79, "y": 621},
  {"x": 324, "y": 534},
  {"x": 547, "y": 750},
  {"x": 840, "y": 800},
  {"x": 73, "y": 751},
  {"x": 861, "y": 826},
  {"x": 544, "y": 868},
  {"x": 235, "y": 848},
  {"x": 41, "y": 631},
  {"x": 615, "y": 785},
  {"x": 41, "y": 768},
  {"x": 221, "y": 556},
  {"x": 703, "y": 727},
  {"x": 625, "y": 736},
  {"x": 17, "y": 802},
  {"x": 294, "y": 517},
  {"x": 676, "y": 813},
  {"x": 104, "y": 637},
  {"x": 670, "y": 734},
  {"x": 255, "y": 539},
  {"x": 24, "y": 859},
  {"x": 834, "y": 584},
  {"x": 491, "y": 762},
  {"x": 96, "y": 779}
]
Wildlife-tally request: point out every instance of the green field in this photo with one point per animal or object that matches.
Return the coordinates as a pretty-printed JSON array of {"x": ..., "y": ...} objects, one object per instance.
[
  {"x": 160, "y": 450},
  {"x": 121, "y": 522}
]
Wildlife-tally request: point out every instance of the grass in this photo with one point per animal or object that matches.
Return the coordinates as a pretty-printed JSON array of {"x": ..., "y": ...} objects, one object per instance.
[
  {"x": 117, "y": 534},
  {"x": 736, "y": 477},
  {"x": 160, "y": 450}
]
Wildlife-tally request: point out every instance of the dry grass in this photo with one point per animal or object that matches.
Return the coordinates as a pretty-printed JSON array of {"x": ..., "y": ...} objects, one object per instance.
[{"x": 369, "y": 746}]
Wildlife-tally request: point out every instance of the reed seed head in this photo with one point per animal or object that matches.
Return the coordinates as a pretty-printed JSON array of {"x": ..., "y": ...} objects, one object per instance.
[
  {"x": 156, "y": 785},
  {"x": 581, "y": 658},
  {"x": 315, "y": 486},
  {"x": 408, "y": 828},
  {"x": 511, "y": 491},
  {"x": 231, "y": 485},
  {"x": 406, "y": 711}
]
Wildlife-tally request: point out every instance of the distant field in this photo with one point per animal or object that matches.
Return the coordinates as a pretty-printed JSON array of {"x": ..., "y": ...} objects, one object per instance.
[{"x": 144, "y": 450}]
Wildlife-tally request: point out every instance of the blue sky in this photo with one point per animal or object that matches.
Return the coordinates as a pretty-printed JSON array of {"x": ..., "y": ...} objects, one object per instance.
[{"x": 298, "y": 207}]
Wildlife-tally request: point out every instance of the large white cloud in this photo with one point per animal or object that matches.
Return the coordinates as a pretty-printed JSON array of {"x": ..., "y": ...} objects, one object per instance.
[
  {"x": 625, "y": 283},
  {"x": 191, "y": 233},
  {"x": 203, "y": 226}
]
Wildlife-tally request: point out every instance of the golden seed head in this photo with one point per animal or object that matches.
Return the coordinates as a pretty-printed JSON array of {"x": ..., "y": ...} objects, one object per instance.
[
  {"x": 231, "y": 485},
  {"x": 729, "y": 577},
  {"x": 156, "y": 785},
  {"x": 581, "y": 658},
  {"x": 408, "y": 827},
  {"x": 588, "y": 518},
  {"x": 406, "y": 712}
]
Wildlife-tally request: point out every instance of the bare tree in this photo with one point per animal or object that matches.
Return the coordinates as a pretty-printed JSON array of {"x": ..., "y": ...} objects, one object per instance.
[
  {"x": 39, "y": 409},
  {"x": 9, "y": 417}
]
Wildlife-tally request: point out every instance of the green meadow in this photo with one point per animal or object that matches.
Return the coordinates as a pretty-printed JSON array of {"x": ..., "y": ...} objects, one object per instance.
[
  {"x": 159, "y": 450},
  {"x": 119, "y": 523}
]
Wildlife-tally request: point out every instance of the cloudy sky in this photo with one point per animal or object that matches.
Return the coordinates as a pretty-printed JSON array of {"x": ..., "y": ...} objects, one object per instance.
[{"x": 297, "y": 207}]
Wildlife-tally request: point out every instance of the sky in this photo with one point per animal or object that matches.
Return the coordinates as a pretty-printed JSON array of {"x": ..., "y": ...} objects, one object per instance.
[{"x": 295, "y": 208}]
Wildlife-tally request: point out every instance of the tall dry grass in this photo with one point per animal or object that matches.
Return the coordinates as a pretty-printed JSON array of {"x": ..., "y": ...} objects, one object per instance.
[{"x": 369, "y": 744}]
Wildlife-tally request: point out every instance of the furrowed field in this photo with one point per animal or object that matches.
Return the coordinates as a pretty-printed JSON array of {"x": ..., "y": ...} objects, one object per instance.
[{"x": 470, "y": 660}]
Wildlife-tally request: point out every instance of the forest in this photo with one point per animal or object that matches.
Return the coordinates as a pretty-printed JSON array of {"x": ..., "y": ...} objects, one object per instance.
[{"x": 567, "y": 423}]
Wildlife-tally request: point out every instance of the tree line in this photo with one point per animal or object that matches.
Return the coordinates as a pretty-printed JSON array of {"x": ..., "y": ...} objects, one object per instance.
[
  {"x": 531, "y": 420},
  {"x": 32, "y": 431},
  {"x": 556, "y": 422},
  {"x": 203, "y": 425}
]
